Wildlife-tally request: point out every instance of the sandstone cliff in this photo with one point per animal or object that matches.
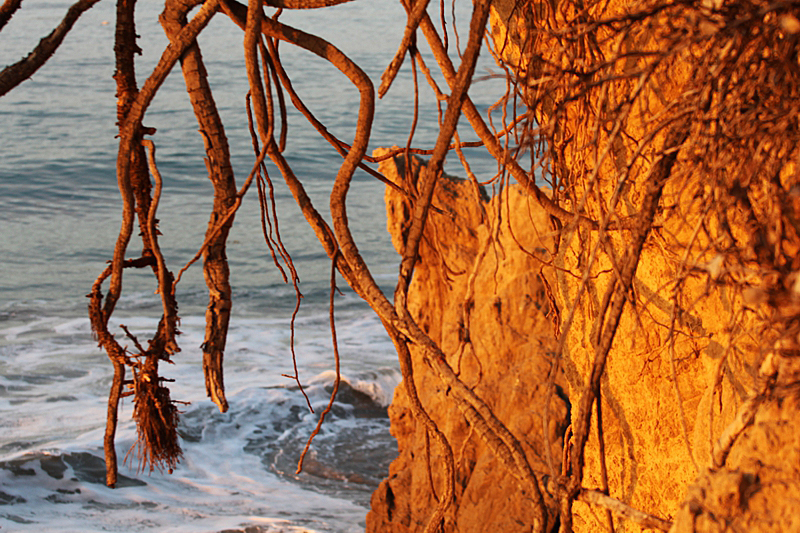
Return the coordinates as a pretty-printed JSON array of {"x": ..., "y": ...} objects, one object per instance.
[
  {"x": 664, "y": 259},
  {"x": 482, "y": 291},
  {"x": 714, "y": 293},
  {"x": 499, "y": 341}
]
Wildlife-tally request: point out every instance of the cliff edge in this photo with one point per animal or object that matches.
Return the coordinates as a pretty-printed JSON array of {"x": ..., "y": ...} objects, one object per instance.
[{"x": 478, "y": 292}]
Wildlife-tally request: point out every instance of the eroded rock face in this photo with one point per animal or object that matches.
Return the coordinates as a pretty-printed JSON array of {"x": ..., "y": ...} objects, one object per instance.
[
  {"x": 758, "y": 487},
  {"x": 716, "y": 286},
  {"x": 690, "y": 341},
  {"x": 489, "y": 307},
  {"x": 499, "y": 343}
]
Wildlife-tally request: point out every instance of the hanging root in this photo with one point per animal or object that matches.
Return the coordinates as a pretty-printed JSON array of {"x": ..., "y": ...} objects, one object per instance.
[{"x": 156, "y": 417}]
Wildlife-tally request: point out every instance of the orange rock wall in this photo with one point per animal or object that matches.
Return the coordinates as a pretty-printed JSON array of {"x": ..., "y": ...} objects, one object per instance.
[
  {"x": 477, "y": 292},
  {"x": 688, "y": 347},
  {"x": 496, "y": 282}
]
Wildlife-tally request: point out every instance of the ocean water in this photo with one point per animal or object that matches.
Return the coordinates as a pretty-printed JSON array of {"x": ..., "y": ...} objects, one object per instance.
[{"x": 59, "y": 216}]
